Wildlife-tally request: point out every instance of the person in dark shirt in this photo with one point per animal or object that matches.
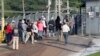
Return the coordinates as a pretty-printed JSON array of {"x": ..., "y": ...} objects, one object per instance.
[
  {"x": 58, "y": 27},
  {"x": 29, "y": 33},
  {"x": 15, "y": 38},
  {"x": 20, "y": 30},
  {"x": 51, "y": 24}
]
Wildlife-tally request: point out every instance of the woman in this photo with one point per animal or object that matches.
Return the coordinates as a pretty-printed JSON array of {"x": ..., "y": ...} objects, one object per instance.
[
  {"x": 58, "y": 27},
  {"x": 65, "y": 30},
  {"x": 8, "y": 33},
  {"x": 40, "y": 27}
]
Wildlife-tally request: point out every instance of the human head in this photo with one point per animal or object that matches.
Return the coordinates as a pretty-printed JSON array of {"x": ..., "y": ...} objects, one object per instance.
[
  {"x": 39, "y": 19},
  {"x": 13, "y": 21},
  {"x": 8, "y": 23},
  {"x": 52, "y": 18},
  {"x": 43, "y": 18}
]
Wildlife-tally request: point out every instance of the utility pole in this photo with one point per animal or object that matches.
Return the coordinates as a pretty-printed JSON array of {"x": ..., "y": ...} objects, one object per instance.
[
  {"x": 81, "y": 18},
  {"x": 68, "y": 8},
  {"x": 49, "y": 4},
  {"x": 58, "y": 4},
  {"x": 3, "y": 21},
  {"x": 56, "y": 1},
  {"x": 23, "y": 9},
  {"x": 59, "y": 7}
]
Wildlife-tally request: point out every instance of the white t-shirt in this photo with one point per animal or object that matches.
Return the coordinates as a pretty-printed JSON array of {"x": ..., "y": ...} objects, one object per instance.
[
  {"x": 44, "y": 24},
  {"x": 65, "y": 28},
  {"x": 35, "y": 29}
]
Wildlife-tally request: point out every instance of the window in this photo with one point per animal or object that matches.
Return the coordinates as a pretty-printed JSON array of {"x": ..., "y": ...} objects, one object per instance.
[
  {"x": 92, "y": 8},
  {"x": 97, "y": 14},
  {"x": 97, "y": 9}
]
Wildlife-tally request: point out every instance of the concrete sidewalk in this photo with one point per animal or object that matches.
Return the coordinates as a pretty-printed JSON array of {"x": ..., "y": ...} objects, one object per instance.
[
  {"x": 48, "y": 47},
  {"x": 90, "y": 50}
]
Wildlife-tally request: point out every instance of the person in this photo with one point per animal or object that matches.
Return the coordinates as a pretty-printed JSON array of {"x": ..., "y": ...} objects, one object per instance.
[
  {"x": 40, "y": 28},
  {"x": 65, "y": 19},
  {"x": 44, "y": 25},
  {"x": 65, "y": 30},
  {"x": 24, "y": 27},
  {"x": 8, "y": 33},
  {"x": 15, "y": 38},
  {"x": 20, "y": 30},
  {"x": 51, "y": 24},
  {"x": 72, "y": 25},
  {"x": 29, "y": 33},
  {"x": 58, "y": 27},
  {"x": 35, "y": 31}
]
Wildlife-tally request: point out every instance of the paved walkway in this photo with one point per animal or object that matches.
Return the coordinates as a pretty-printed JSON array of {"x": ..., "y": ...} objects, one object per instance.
[
  {"x": 90, "y": 50},
  {"x": 48, "y": 47}
]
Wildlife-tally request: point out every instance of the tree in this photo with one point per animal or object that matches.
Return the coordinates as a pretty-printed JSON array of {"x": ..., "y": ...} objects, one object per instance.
[
  {"x": 34, "y": 5},
  {"x": 72, "y": 3}
]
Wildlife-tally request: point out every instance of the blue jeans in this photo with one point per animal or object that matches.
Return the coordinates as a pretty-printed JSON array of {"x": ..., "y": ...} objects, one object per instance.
[
  {"x": 23, "y": 35},
  {"x": 65, "y": 34},
  {"x": 8, "y": 37},
  {"x": 20, "y": 35},
  {"x": 40, "y": 33}
]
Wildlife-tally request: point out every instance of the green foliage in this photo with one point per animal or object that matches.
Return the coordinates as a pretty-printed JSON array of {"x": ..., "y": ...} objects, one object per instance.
[
  {"x": 95, "y": 54},
  {"x": 34, "y": 5},
  {"x": 72, "y": 3}
]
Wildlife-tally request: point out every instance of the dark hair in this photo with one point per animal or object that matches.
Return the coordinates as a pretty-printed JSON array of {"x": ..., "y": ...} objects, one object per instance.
[
  {"x": 20, "y": 20},
  {"x": 58, "y": 18},
  {"x": 39, "y": 19}
]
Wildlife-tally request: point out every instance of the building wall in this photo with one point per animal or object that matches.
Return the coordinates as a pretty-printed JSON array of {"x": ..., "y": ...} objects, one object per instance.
[{"x": 93, "y": 23}]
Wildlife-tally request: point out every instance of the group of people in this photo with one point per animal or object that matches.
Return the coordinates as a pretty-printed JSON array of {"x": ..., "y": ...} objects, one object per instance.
[{"x": 36, "y": 30}]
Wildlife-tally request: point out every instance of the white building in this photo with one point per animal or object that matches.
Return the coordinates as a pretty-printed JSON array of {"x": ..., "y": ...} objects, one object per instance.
[{"x": 93, "y": 17}]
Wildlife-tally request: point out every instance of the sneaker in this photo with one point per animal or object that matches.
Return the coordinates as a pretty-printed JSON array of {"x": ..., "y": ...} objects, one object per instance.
[{"x": 35, "y": 40}]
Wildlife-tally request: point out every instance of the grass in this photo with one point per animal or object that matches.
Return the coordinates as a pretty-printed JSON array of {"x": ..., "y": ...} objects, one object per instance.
[{"x": 95, "y": 54}]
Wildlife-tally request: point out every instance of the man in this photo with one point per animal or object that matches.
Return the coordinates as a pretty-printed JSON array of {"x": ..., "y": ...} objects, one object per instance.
[
  {"x": 24, "y": 27},
  {"x": 20, "y": 30},
  {"x": 29, "y": 33},
  {"x": 51, "y": 24}
]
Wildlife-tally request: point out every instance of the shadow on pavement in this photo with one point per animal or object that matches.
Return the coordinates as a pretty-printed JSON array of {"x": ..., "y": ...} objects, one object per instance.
[
  {"x": 52, "y": 41},
  {"x": 6, "y": 47},
  {"x": 58, "y": 47}
]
